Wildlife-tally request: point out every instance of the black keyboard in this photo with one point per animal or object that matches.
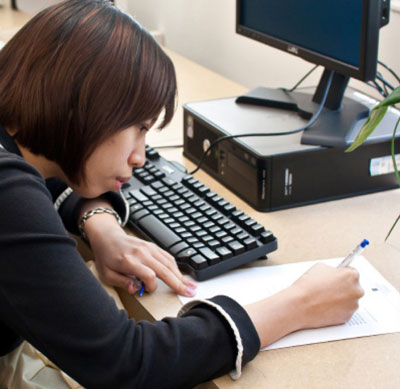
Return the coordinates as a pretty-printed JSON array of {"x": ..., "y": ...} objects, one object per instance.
[{"x": 206, "y": 234}]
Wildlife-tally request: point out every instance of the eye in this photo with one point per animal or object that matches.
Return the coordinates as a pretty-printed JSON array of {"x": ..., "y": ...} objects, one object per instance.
[{"x": 143, "y": 127}]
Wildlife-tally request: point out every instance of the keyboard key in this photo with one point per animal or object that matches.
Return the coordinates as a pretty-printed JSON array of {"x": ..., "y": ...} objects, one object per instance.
[
  {"x": 152, "y": 154},
  {"x": 224, "y": 253},
  {"x": 256, "y": 229},
  {"x": 148, "y": 191},
  {"x": 177, "y": 248},
  {"x": 139, "y": 196},
  {"x": 236, "y": 247},
  {"x": 198, "y": 262},
  {"x": 242, "y": 219},
  {"x": 215, "y": 229},
  {"x": 185, "y": 255},
  {"x": 139, "y": 214},
  {"x": 248, "y": 223},
  {"x": 213, "y": 244},
  {"x": 228, "y": 209},
  {"x": 227, "y": 239},
  {"x": 237, "y": 213},
  {"x": 250, "y": 243},
  {"x": 135, "y": 207},
  {"x": 220, "y": 234},
  {"x": 186, "y": 235},
  {"x": 242, "y": 236},
  {"x": 209, "y": 255},
  {"x": 168, "y": 181},
  {"x": 267, "y": 236},
  {"x": 157, "y": 185},
  {"x": 208, "y": 225},
  {"x": 164, "y": 235}
]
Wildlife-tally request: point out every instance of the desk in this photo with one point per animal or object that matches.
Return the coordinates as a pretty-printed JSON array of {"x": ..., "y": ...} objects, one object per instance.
[{"x": 324, "y": 230}]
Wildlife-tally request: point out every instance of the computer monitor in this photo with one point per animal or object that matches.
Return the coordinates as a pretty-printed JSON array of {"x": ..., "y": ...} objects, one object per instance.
[{"x": 340, "y": 35}]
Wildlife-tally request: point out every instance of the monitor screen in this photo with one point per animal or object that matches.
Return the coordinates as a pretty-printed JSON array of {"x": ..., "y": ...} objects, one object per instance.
[{"x": 340, "y": 35}]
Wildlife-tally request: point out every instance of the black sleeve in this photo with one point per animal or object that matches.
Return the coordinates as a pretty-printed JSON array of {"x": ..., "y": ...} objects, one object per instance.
[
  {"x": 50, "y": 298},
  {"x": 68, "y": 203}
]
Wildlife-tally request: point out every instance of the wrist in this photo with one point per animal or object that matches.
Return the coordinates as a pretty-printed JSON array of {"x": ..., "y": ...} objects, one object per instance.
[
  {"x": 278, "y": 315},
  {"x": 97, "y": 218}
]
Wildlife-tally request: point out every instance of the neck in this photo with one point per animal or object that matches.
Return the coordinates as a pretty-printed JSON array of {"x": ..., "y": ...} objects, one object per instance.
[
  {"x": 46, "y": 168},
  {"x": 43, "y": 165}
]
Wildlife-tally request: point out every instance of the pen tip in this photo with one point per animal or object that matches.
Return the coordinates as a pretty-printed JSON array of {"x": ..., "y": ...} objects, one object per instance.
[{"x": 364, "y": 243}]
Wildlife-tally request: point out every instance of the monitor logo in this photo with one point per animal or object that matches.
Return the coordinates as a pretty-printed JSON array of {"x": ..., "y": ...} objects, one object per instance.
[{"x": 293, "y": 49}]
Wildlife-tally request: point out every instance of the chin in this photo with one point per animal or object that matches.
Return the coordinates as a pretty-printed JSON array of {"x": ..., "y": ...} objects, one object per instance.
[{"x": 88, "y": 193}]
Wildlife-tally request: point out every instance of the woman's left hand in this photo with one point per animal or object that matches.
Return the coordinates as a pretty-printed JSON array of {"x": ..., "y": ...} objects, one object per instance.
[{"x": 119, "y": 255}]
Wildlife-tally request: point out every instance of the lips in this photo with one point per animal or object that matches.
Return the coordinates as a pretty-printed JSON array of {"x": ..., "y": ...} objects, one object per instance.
[
  {"x": 123, "y": 180},
  {"x": 120, "y": 181}
]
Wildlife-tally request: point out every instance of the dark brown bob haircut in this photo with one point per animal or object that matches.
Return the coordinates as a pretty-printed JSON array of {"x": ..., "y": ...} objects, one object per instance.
[{"x": 77, "y": 73}]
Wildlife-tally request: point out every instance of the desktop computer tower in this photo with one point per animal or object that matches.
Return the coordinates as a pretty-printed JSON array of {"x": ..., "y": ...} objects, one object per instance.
[{"x": 272, "y": 173}]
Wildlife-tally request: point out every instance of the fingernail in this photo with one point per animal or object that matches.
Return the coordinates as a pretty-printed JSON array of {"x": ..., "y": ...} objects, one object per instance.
[
  {"x": 131, "y": 288},
  {"x": 189, "y": 282},
  {"x": 190, "y": 291}
]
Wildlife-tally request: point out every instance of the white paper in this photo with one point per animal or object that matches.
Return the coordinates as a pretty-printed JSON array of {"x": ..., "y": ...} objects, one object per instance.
[{"x": 378, "y": 313}]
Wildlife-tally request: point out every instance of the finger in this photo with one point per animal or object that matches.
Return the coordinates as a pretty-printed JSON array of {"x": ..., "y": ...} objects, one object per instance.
[
  {"x": 180, "y": 284},
  {"x": 166, "y": 269},
  {"x": 113, "y": 278},
  {"x": 148, "y": 277},
  {"x": 189, "y": 282},
  {"x": 148, "y": 254},
  {"x": 170, "y": 275},
  {"x": 167, "y": 260}
]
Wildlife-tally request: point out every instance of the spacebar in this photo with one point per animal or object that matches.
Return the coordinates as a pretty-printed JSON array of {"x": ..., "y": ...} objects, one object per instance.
[{"x": 159, "y": 231}]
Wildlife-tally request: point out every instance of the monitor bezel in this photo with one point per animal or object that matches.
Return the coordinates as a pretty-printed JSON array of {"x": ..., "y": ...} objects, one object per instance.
[{"x": 371, "y": 23}]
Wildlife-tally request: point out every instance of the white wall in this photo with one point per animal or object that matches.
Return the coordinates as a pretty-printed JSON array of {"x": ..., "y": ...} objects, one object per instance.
[
  {"x": 34, "y": 6},
  {"x": 204, "y": 31}
]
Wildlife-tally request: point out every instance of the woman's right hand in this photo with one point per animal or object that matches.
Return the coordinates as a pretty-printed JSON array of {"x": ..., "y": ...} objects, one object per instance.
[
  {"x": 323, "y": 296},
  {"x": 329, "y": 295}
]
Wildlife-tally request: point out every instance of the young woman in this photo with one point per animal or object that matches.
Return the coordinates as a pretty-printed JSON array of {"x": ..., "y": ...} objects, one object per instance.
[{"x": 80, "y": 85}]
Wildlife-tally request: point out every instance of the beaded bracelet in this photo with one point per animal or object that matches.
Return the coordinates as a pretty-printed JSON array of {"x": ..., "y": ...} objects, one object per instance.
[{"x": 92, "y": 212}]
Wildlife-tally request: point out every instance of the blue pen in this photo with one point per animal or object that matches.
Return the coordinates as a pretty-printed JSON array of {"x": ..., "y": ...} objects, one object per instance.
[
  {"x": 141, "y": 289},
  {"x": 356, "y": 252}
]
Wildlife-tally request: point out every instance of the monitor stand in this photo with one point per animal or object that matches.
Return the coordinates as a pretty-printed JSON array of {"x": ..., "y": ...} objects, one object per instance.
[{"x": 339, "y": 121}]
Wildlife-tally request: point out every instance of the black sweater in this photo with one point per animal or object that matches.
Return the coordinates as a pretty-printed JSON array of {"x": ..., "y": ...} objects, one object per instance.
[{"x": 49, "y": 298}]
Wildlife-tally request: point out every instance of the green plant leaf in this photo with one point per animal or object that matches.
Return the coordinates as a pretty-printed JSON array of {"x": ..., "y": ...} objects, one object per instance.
[
  {"x": 375, "y": 117},
  {"x": 396, "y": 170},
  {"x": 392, "y": 99},
  {"x": 392, "y": 228},
  {"x": 369, "y": 126}
]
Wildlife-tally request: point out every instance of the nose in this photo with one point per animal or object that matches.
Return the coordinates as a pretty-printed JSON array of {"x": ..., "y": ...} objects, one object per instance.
[{"x": 138, "y": 157}]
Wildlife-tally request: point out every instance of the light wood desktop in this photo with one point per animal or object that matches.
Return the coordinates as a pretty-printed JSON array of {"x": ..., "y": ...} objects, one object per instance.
[
  {"x": 319, "y": 231},
  {"x": 324, "y": 230}
]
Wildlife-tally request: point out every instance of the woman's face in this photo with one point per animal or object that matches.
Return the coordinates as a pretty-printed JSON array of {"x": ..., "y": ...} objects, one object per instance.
[{"x": 110, "y": 165}]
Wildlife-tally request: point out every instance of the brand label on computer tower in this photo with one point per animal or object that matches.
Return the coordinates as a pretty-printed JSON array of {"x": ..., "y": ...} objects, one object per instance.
[
  {"x": 288, "y": 182},
  {"x": 383, "y": 165}
]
